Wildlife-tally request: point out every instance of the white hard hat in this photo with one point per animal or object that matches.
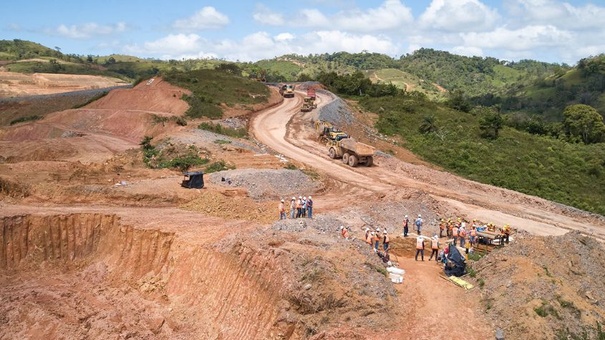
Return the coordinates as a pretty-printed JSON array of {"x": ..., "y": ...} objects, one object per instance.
[
  {"x": 305, "y": 197},
  {"x": 299, "y": 196},
  {"x": 309, "y": 197},
  {"x": 293, "y": 198},
  {"x": 282, "y": 200},
  {"x": 406, "y": 216},
  {"x": 419, "y": 215}
]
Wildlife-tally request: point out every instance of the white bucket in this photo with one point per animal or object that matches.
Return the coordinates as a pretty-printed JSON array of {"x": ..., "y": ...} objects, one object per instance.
[
  {"x": 395, "y": 270},
  {"x": 396, "y": 274},
  {"x": 395, "y": 278}
]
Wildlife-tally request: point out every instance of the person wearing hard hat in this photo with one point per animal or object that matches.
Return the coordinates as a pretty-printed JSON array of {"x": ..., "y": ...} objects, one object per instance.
[
  {"x": 434, "y": 247},
  {"x": 418, "y": 224},
  {"x": 385, "y": 241},
  {"x": 441, "y": 227},
  {"x": 299, "y": 204},
  {"x": 376, "y": 239},
  {"x": 293, "y": 207},
  {"x": 304, "y": 207},
  {"x": 419, "y": 247},
  {"x": 282, "y": 210},
  {"x": 309, "y": 207},
  {"x": 406, "y": 225},
  {"x": 506, "y": 232},
  {"x": 367, "y": 236}
]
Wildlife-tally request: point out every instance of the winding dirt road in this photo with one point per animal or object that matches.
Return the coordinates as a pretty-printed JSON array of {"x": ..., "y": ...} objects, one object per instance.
[{"x": 274, "y": 128}]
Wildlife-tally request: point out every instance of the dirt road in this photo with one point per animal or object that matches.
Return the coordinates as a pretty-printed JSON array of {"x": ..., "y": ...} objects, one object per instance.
[{"x": 470, "y": 199}]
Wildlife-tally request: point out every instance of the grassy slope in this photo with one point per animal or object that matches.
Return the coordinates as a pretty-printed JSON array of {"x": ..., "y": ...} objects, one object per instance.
[
  {"x": 212, "y": 88},
  {"x": 572, "y": 174}
]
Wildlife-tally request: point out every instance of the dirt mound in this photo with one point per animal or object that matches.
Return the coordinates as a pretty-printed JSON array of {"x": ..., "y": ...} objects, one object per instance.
[
  {"x": 154, "y": 96},
  {"x": 545, "y": 287}
]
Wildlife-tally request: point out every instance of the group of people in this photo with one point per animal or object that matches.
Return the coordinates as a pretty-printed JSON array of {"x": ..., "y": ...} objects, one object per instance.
[
  {"x": 301, "y": 207},
  {"x": 418, "y": 222},
  {"x": 461, "y": 230},
  {"x": 374, "y": 237}
]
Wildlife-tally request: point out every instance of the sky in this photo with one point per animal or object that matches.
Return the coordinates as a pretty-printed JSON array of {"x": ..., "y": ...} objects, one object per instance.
[{"x": 242, "y": 30}]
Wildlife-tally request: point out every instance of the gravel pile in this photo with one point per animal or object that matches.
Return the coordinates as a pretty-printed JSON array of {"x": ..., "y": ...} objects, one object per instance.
[
  {"x": 321, "y": 223},
  {"x": 267, "y": 184},
  {"x": 336, "y": 112}
]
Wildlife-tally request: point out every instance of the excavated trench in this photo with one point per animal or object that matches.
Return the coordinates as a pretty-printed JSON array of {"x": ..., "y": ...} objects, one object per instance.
[{"x": 89, "y": 276}]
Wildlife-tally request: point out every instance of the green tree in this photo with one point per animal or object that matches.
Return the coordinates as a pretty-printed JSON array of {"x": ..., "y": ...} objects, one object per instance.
[
  {"x": 490, "y": 122},
  {"x": 584, "y": 123},
  {"x": 429, "y": 124}
]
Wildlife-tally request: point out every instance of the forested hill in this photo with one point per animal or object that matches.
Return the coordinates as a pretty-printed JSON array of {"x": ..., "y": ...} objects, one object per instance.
[{"x": 529, "y": 88}]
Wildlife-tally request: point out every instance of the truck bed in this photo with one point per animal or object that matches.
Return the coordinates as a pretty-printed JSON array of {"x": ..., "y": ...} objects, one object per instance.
[{"x": 357, "y": 147}]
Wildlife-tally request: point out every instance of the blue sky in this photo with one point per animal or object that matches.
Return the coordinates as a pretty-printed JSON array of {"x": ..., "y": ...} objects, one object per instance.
[{"x": 544, "y": 30}]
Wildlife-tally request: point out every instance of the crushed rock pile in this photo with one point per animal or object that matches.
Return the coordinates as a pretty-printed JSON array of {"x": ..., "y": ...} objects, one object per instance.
[
  {"x": 267, "y": 184},
  {"x": 545, "y": 287}
]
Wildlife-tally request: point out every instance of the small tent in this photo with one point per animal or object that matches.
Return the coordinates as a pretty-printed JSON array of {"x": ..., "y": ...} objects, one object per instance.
[
  {"x": 455, "y": 264},
  {"x": 193, "y": 179}
]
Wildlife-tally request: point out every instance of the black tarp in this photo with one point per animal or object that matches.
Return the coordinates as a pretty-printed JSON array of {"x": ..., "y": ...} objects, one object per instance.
[
  {"x": 193, "y": 179},
  {"x": 455, "y": 264}
]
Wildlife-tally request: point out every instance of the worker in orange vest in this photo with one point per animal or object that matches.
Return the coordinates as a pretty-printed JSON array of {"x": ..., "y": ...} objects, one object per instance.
[
  {"x": 419, "y": 247},
  {"x": 368, "y": 236},
  {"x": 441, "y": 227},
  {"x": 434, "y": 247},
  {"x": 385, "y": 241},
  {"x": 455, "y": 234},
  {"x": 506, "y": 231}
]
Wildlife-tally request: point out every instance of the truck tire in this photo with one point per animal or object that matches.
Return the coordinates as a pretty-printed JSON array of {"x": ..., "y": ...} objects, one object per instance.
[
  {"x": 345, "y": 158},
  {"x": 353, "y": 160},
  {"x": 332, "y": 153},
  {"x": 369, "y": 161}
]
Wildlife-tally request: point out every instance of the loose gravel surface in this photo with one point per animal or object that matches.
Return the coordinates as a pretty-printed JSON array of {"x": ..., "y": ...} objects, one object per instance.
[{"x": 268, "y": 184}]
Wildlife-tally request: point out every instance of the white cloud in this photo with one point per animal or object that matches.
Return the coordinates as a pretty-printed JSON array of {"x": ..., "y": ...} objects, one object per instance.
[
  {"x": 207, "y": 17},
  {"x": 458, "y": 16},
  {"x": 311, "y": 18},
  {"x": 266, "y": 16},
  {"x": 392, "y": 14},
  {"x": 87, "y": 30},
  {"x": 556, "y": 13},
  {"x": 284, "y": 37},
  {"x": 174, "y": 45},
  {"x": 526, "y": 38}
]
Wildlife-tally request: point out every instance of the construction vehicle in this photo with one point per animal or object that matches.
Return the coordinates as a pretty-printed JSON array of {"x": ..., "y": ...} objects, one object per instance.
[
  {"x": 308, "y": 104},
  {"x": 311, "y": 93},
  {"x": 328, "y": 132},
  {"x": 351, "y": 152},
  {"x": 287, "y": 90}
]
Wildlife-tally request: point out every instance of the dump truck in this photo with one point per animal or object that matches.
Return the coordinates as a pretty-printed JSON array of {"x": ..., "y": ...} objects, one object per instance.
[
  {"x": 351, "y": 152},
  {"x": 287, "y": 90},
  {"x": 311, "y": 93},
  {"x": 327, "y": 132}
]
